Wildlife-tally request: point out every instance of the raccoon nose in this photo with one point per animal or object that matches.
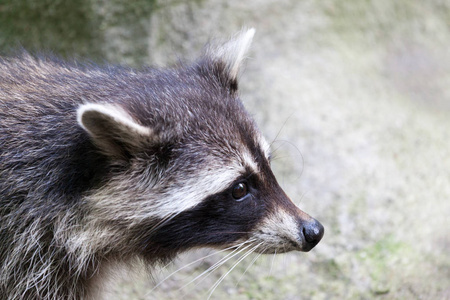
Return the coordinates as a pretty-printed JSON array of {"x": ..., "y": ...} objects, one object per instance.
[{"x": 313, "y": 232}]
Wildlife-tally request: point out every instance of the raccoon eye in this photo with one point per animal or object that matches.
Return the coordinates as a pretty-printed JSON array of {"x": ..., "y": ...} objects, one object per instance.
[{"x": 239, "y": 191}]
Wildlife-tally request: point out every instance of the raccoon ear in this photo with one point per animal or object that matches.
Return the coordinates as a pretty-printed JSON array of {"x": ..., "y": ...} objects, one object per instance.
[
  {"x": 112, "y": 129},
  {"x": 228, "y": 58}
]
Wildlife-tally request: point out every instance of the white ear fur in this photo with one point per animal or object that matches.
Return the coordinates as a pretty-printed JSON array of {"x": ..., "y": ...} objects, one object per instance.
[
  {"x": 91, "y": 111},
  {"x": 111, "y": 127},
  {"x": 233, "y": 52}
]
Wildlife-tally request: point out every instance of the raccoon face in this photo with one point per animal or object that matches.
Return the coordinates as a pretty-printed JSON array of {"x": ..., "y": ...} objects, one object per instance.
[
  {"x": 251, "y": 208},
  {"x": 193, "y": 169}
]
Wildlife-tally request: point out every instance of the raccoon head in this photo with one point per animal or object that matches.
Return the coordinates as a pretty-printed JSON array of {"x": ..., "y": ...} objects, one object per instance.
[{"x": 192, "y": 169}]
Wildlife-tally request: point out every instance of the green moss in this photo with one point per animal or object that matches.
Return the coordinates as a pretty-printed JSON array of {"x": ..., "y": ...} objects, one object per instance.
[
  {"x": 380, "y": 20},
  {"x": 331, "y": 269},
  {"x": 379, "y": 259},
  {"x": 79, "y": 27},
  {"x": 65, "y": 27}
]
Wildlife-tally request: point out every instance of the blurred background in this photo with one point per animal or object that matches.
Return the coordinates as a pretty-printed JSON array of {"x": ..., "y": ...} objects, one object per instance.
[{"x": 355, "y": 96}]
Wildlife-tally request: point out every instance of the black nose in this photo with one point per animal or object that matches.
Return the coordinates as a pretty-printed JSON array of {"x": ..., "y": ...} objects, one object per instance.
[{"x": 313, "y": 233}]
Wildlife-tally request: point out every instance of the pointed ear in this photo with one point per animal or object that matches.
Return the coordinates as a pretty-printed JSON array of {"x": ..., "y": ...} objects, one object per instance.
[
  {"x": 113, "y": 130},
  {"x": 228, "y": 58}
]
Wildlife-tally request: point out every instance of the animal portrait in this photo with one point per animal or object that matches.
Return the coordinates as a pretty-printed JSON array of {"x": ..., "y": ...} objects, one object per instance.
[{"x": 105, "y": 164}]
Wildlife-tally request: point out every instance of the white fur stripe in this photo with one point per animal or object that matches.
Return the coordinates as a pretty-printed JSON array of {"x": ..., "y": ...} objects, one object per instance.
[
  {"x": 249, "y": 161},
  {"x": 196, "y": 189}
]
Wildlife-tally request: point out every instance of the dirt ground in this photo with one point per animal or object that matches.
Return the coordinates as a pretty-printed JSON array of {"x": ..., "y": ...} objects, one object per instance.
[{"x": 355, "y": 97}]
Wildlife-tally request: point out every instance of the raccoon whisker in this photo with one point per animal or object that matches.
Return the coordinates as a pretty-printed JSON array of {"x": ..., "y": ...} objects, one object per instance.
[
  {"x": 299, "y": 152},
  {"x": 213, "y": 288},
  {"x": 274, "y": 150},
  {"x": 229, "y": 232},
  {"x": 189, "y": 264},
  {"x": 219, "y": 263},
  {"x": 273, "y": 259},
  {"x": 249, "y": 266},
  {"x": 161, "y": 222},
  {"x": 284, "y": 157},
  {"x": 282, "y": 126}
]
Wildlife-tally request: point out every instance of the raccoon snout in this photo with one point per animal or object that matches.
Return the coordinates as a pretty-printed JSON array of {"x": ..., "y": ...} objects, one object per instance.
[{"x": 312, "y": 232}]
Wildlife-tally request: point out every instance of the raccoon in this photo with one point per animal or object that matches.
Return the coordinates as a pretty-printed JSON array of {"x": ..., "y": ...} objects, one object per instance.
[{"x": 108, "y": 164}]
